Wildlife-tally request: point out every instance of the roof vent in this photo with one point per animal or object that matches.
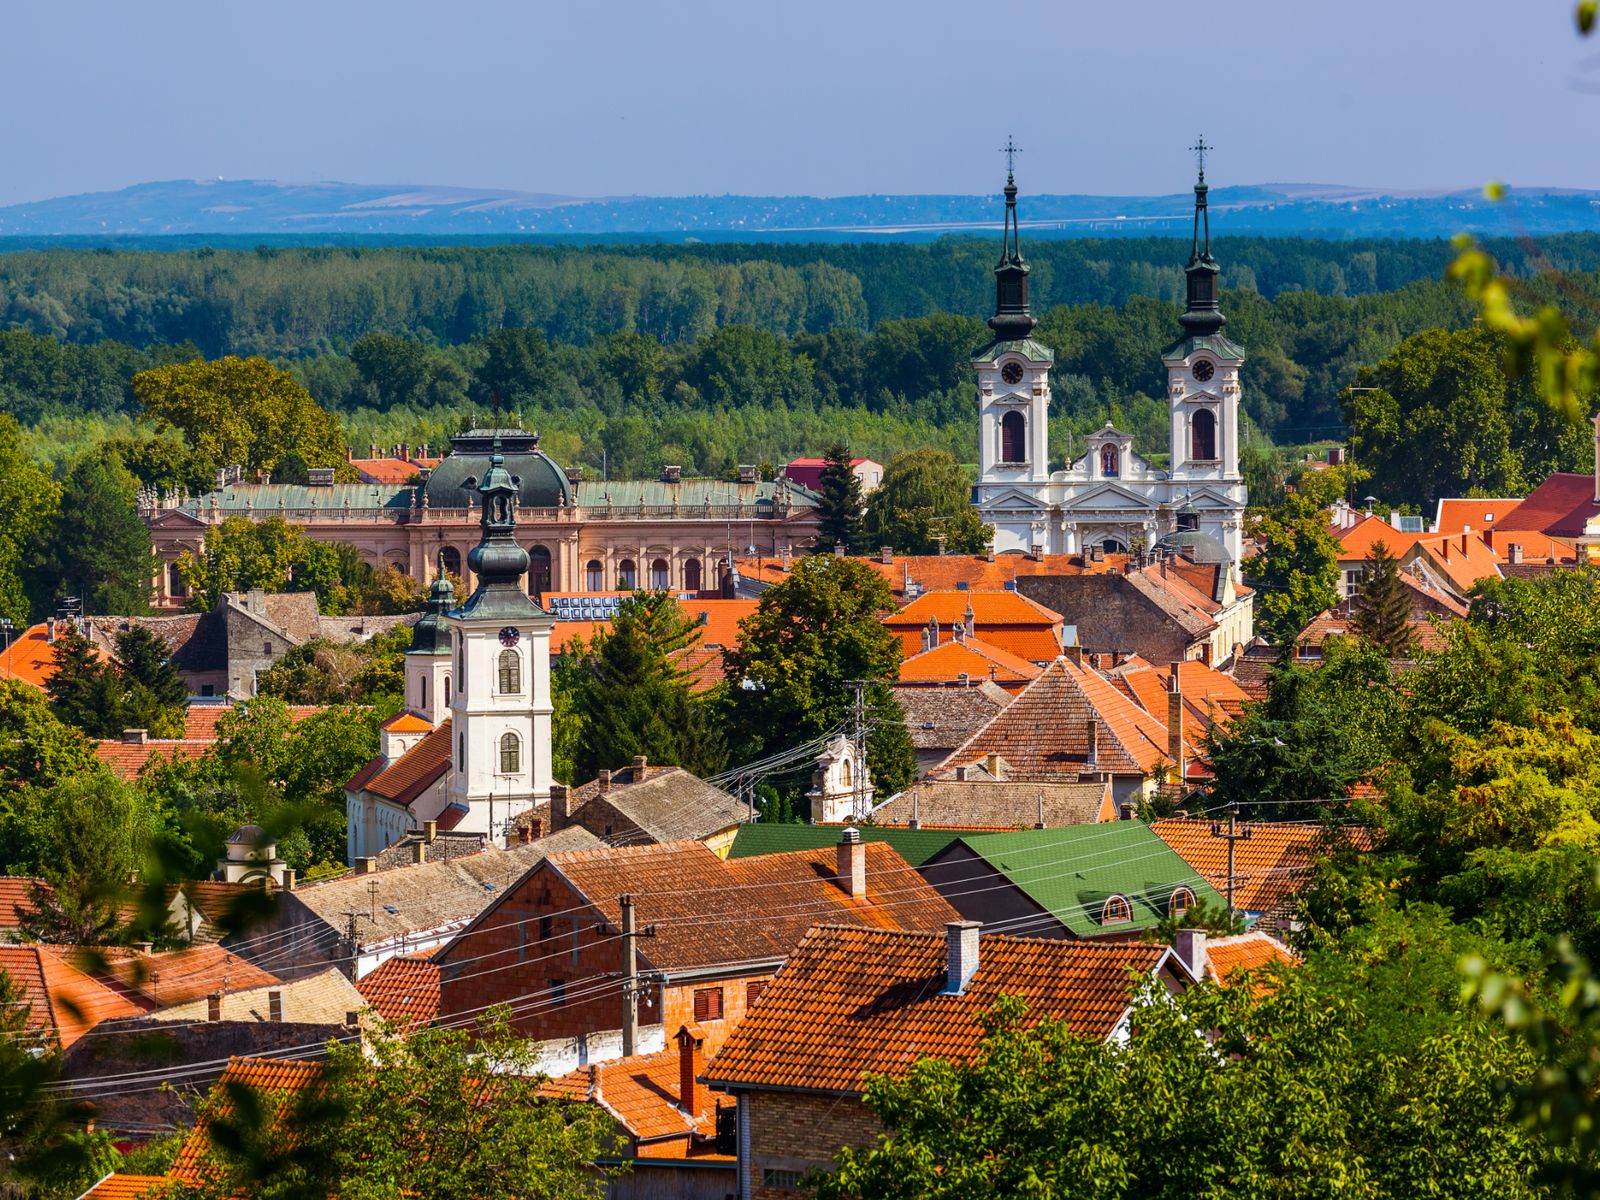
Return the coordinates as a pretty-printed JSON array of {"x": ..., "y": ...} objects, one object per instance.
[
  {"x": 672, "y": 474},
  {"x": 748, "y": 473},
  {"x": 319, "y": 477}
]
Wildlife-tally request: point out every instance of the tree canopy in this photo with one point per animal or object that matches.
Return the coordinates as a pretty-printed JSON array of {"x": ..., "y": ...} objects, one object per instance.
[{"x": 923, "y": 504}]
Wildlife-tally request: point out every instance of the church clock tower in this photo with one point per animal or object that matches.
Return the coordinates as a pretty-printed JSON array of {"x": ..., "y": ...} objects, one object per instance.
[
  {"x": 1203, "y": 396},
  {"x": 1013, "y": 401},
  {"x": 500, "y": 709}
]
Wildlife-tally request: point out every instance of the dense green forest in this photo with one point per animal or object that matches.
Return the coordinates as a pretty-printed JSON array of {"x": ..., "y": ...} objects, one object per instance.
[{"x": 710, "y": 355}]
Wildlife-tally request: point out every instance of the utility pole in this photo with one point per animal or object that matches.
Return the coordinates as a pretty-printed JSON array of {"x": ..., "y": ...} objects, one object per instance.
[
  {"x": 351, "y": 916},
  {"x": 1234, "y": 836},
  {"x": 630, "y": 976}
]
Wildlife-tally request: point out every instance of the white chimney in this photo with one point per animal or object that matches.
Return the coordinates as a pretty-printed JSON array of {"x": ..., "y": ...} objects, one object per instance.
[
  {"x": 961, "y": 955},
  {"x": 1191, "y": 947}
]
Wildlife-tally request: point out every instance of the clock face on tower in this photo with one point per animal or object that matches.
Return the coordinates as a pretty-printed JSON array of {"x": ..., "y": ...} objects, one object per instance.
[
  {"x": 509, "y": 636},
  {"x": 1011, "y": 372},
  {"x": 1203, "y": 370}
]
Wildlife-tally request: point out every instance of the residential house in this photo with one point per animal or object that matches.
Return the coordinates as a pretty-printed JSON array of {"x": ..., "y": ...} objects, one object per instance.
[
  {"x": 130, "y": 755},
  {"x": 1006, "y": 620},
  {"x": 851, "y": 1003},
  {"x": 1230, "y": 961},
  {"x": 1431, "y": 606},
  {"x": 64, "y": 1002},
  {"x": 916, "y": 846},
  {"x": 671, "y": 1122},
  {"x": 1111, "y": 880},
  {"x": 709, "y": 934},
  {"x": 941, "y": 717},
  {"x": 1356, "y": 541},
  {"x": 966, "y": 661},
  {"x": 404, "y": 990},
  {"x": 807, "y": 473},
  {"x": 912, "y": 575},
  {"x": 359, "y": 920},
  {"x": 640, "y": 804}
]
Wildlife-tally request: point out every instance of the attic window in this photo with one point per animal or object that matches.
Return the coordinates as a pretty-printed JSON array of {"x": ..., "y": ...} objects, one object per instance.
[
  {"x": 1117, "y": 911},
  {"x": 1180, "y": 902}
]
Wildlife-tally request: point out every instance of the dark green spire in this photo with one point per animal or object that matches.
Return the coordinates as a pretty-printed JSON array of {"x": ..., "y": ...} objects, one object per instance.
[
  {"x": 1012, "y": 320},
  {"x": 1201, "y": 316},
  {"x": 432, "y": 633},
  {"x": 498, "y": 562}
]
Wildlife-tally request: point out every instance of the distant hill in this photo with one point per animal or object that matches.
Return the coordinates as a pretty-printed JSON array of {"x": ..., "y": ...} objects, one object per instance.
[{"x": 187, "y": 208}]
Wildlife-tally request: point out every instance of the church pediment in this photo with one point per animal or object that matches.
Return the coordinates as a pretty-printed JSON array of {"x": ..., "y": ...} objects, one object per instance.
[
  {"x": 1009, "y": 397},
  {"x": 176, "y": 518},
  {"x": 1202, "y": 397},
  {"x": 1012, "y": 500},
  {"x": 1205, "y": 498},
  {"x": 1111, "y": 496}
]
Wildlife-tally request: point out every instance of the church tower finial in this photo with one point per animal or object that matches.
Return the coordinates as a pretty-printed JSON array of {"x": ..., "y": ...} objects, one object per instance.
[
  {"x": 1201, "y": 317},
  {"x": 1012, "y": 319}
]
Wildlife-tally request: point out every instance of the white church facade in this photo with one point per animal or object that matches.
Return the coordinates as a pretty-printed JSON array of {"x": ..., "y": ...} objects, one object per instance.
[
  {"x": 472, "y": 750},
  {"x": 1111, "y": 498}
]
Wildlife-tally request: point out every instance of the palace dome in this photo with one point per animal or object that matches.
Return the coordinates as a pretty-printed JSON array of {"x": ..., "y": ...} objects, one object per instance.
[{"x": 454, "y": 482}]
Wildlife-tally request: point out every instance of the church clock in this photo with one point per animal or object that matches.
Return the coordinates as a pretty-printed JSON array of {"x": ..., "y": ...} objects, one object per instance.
[
  {"x": 510, "y": 636},
  {"x": 1011, "y": 372},
  {"x": 1203, "y": 370}
]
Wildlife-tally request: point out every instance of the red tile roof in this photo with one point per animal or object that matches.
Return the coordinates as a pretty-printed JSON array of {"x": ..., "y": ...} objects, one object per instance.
[
  {"x": 1469, "y": 515},
  {"x": 942, "y": 572},
  {"x": 1461, "y": 558},
  {"x": 703, "y": 666},
  {"x": 1358, "y": 540},
  {"x": 976, "y": 659},
  {"x": 407, "y": 722},
  {"x": 413, "y": 773},
  {"x": 171, "y": 977},
  {"x": 273, "y": 1076},
  {"x": 385, "y": 470},
  {"x": 64, "y": 1003},
  {"x": 855, "y": 1001},
  {"x": 1008, "y": 620},
  {"x": 705, "y": 908},
  {"x": 200, "y": 720},
  {"x": 1227, "y": 957},
  {"x": 1273, "y": 864},
  {"x": 30, "y": 657},
  {"x": 14, "y": 898},
  {"x": 643, "y": 1094},
  {"x": 129, "y": 760},
  {"x": 1559, "y": 507},
  {"x": 404, "y": 989},
  {"x": 128, "y": 1187},
  {"x": 716, "y": 620}
]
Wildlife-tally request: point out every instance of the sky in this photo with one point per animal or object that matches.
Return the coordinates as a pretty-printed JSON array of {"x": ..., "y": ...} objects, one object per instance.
[{"x": 818, "y": 98}]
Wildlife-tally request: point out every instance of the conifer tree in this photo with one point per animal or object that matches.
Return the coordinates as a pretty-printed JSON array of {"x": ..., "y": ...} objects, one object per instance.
[
  {"x": 839, "y": 510},
  {"x": 156, "y": 695},
  {"x": 1382, "y": 609},
  {"x": 99, "y": 549},
  {"x": 84, "y": 691}
]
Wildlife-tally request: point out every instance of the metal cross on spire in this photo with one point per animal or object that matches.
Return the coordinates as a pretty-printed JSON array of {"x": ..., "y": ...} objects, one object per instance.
[
  {"x": 1010, "y": 150},
  {"x": 1200, "y": 149}
]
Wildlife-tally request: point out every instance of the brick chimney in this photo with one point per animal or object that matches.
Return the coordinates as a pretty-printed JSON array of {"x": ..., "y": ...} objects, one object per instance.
[
  {"x": 886, "y": 555},
  {"x": 419, "y": 852},
  {"x": 135, "y": 737},
  {"x": 214, "y": 1006},
  {"x": 691, "y": 1061},
  {"x": 430, "y": 831},
  {"x": 559, "y": 812},
  {"x": 604, "y": 780},
  {"x": 1191, "y": 947},
  {"x": 961, "y": 955},
  {"x": 852, "y": 864},
  {"x": 1175, "y": 724},
  {"x": 366, "y": 866},
  {"x": 641, "y": 768},
  {"x": 275, "y": 1005}
]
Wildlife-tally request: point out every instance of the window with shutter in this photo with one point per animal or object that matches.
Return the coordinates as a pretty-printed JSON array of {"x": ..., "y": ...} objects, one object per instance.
[
  {"x": 708, "y": 1004},
  {"x": 752, "y": 992}
]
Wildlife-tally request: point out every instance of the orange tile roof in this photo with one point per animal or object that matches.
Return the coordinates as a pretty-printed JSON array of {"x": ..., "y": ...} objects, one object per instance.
[
  {"x": 404, "y": 989},
  {"x": 200, "y": 720},
  {"x": 566, "y": 633},
  {"x": 14, "y": 898},
  {"x": 703, "y": 666},
  {"x": 1008, "y": 620},
  {"x": 1210, "y": 697},
  {"x": 128, "y": 760},
  {"x": 642, "y": 1093},
  {"x": 1358, "y": 540},
  {"x": 403, "y": 780},
  {"x": 1462, "y": 558},
  {"x": 942, "y": 572},
  {"x": 128, "y": 1187},
  {"x": 704, "y": 909},
  {"x": 1533, "y": 545},
  {"x": 1230, "y": 956},
  {"x": 385, "y": 470},
  {"x": 64, "y": 1003},
  {"x": 273, "y": 1076},
  {"x": 1463, "y": 515},
  {"x": 1273, "y": 864},
  {"x": 171, "y": 977},
  {"x": 407, "y": 722},
  {"x": 716, "y": 620},
  {"x": 973, "y": 657},
  {"x": 1044, "y": 732},
  {"x": 31, "y": 658},
  {"x": 1560, "y": 506},
  {"x": 853, "y": 1001}
]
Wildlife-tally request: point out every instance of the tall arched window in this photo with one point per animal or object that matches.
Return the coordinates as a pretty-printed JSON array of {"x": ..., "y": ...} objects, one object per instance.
[
  {"x": 538, "y": 571},
  {"x": 691, "y": 575},
  {"x": 510, "y": 753},
  {"x": 447, "y": 691},
  {"x": 594, "y": 576},
  {"x": 1013, "y": 438},
  {"x": 422, "y": 682},
  {"x": 1110, "y": 461},
  {"x": 627, "y": 575},
  {"x": 658, "y": 575},
  {"x": 1203, "y": 436},
  {"x": 846, "y": 775},
  {"x": 452, "y": 560},
  {"x": 510, "y": 673},
  {"x": 175, "y": 584}
]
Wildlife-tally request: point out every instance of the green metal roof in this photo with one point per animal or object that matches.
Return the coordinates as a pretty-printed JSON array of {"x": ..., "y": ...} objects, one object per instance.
[
  {"x": 1027, "y": 347},
  {"x": 1071, "y": 872},
  {"x": 1217, "y": 343},
  {"x": 916, "y": 846},
  {"x": 267, "y": 497},
  {"x": 652, "y": 493}
]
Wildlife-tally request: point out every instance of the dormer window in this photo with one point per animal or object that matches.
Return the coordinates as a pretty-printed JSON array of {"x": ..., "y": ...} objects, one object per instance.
[
  {"x": 1180, "y": 902},
  {"x": 1110, "y": 461},
  {"x": 1117, "y": 911}
]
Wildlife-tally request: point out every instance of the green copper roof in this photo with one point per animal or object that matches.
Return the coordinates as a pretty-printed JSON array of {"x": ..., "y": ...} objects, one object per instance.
[
  {"x": 1072, "y": 872},
  {"x": 690, "y": 493},
  {"x": 1027, "y": 347},
  {"x": 1218, "y": 343},
  {"x": 267, "y": 497},
  {"x": 916, "y": 846}
]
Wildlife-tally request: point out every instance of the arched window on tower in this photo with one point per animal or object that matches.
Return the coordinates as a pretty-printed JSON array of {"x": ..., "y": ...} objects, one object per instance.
[
  {"x": 1110, "y": 462},
  {"x": 594, "y": 576},
  {"x": 627, "y": 575},
  {"x": 510, "y": 753},
  {"x": 447, "y": 691},
  {"x": 452, "y": 561},
  {"x": 1203, "y": 436},
  {"x": 1013, "y": 438},
  {"x": 658, "y": 575},
  {"x": 691, "y": 575},
  {"x": 538, "y": 571},
  {"x": 422, "y": 700},
  {"x": 510, "y": 673}
]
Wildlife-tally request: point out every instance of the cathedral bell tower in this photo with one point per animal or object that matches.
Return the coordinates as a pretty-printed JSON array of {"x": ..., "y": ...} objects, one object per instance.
[
  {"x": 428, "y": 659},
  {"x": 500, "y": 708},
  {"x": 1203, "y": 389},
  {"x": 1013, "y": 394}
]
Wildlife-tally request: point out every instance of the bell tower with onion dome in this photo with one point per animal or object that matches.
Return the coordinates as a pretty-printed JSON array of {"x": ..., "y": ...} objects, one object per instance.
[{"x": 500, "y": 707}]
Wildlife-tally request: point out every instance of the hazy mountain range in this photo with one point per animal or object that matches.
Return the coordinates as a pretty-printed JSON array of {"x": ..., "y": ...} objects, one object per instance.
[{"x": 318, "y": 211}]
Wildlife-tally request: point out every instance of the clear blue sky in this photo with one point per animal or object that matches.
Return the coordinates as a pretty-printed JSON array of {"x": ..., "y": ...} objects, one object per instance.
[{"x": 819, "y": 97}]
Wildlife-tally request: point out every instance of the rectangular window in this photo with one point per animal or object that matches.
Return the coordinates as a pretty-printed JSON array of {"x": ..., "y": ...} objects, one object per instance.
[
  {"x": 752, "y": 992},
  {"x": 708, "y": 1004},
  {"x": 558, "y": 992},
  {"x": 266, "y": 648},
  {"x": 772, "y": 1177}
]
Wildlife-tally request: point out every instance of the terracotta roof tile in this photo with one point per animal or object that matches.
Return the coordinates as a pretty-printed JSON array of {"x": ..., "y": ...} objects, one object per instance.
[
  {"x": 853, "y": 1001},
  {"x": 1273, "y": 864},
  {"x": 1358, "y": 540},
  {"x": 385, "y": 470},
  {"x": 403, "y": 989},
  {"x": 702, "y": 905},
  {"x": 976, "y": 659},
  {"x": 129, "y": 760},
  {"x": 128, "y": 1187},
  {"x": 701, "y": 665},
  {"x": 407, "y": 722},
  {"x": 984, "y": 804},
  {"x": 941, "y": 718},
  {"x": 1464, "y": 515},
  {"x": 30, "y": 658},
  {"x": 717, "y": 622},
  {"x": 64, "y": 1002},
  {"x": 273, "y": 1076},
  {"x": 415, "y": 771},
  {"x": 1559, "y": 506},
  {"x": 170, "y": 977},
  {"x": 14, "y": 898},
  {"x": 942, "y": 572},
  {"x": 1227, "y": 957},
  {"x": 642, "y": 1093}
]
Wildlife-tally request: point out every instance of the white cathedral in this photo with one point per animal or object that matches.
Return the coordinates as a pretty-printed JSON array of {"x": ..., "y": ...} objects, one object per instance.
[{"x": 1110, "y": 498}]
